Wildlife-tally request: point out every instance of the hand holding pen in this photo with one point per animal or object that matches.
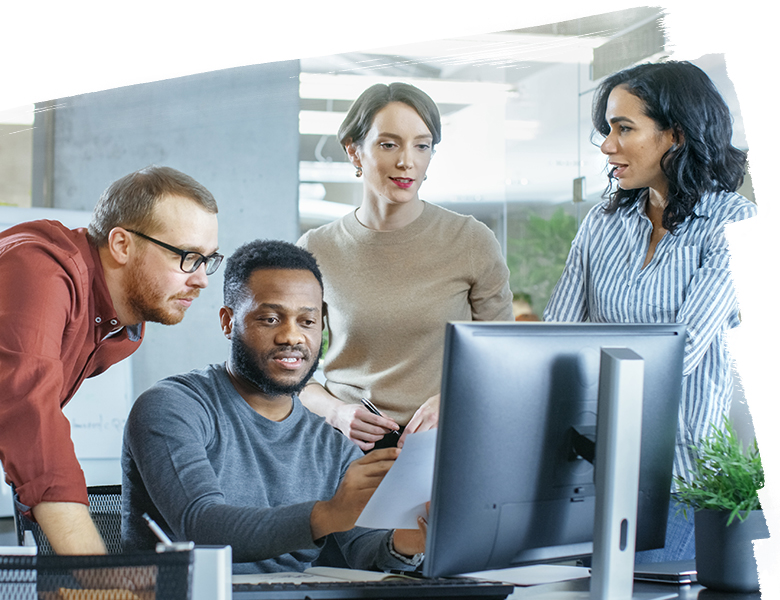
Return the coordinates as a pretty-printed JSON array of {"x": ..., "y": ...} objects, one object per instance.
[
  {"x": 373, "y": 409},
  {"x": 361, "y": 424}
]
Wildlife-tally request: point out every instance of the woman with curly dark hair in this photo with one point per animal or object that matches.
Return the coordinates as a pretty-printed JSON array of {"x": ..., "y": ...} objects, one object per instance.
[{"x": 655, "y": 250}]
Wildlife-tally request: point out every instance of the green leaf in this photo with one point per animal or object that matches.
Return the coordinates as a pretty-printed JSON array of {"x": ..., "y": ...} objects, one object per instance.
[{"x": 724, "y": 477}]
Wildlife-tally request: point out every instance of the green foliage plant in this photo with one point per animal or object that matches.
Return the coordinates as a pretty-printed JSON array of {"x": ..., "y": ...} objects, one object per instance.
[
  {"x": 724, "y": 477},
  {"x": 536, "y": 254}
]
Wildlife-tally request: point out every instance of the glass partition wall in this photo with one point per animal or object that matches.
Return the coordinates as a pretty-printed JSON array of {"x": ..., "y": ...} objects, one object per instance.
[{"x": 517, "y": 148}]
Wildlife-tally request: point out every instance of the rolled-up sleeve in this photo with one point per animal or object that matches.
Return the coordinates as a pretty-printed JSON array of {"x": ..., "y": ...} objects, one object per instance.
[{"x": 36, "y": 297}]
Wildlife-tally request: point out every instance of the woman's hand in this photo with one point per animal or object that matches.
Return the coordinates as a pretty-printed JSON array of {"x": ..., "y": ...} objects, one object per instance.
[
  {"x": 361, "y": 426},
  {"x": 354, "y": 421},
  {"x": 426, "y": 417}
]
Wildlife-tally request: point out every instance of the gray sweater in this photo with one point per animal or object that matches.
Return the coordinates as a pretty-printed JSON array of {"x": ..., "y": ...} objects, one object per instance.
[{"x": 209, "y": 469}]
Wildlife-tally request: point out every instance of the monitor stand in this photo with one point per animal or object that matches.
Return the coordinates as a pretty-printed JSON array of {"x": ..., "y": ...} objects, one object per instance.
[{"x": 619, "y": 429}]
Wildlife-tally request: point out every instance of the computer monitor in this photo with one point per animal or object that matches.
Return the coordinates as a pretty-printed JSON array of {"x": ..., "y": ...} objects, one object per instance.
[{"x": 508, "y": 487}]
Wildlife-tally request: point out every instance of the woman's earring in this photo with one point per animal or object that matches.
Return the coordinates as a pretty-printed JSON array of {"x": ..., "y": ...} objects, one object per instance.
[
  {"x": 425, "y": 177},
  {"x": 358, "y": 172}
]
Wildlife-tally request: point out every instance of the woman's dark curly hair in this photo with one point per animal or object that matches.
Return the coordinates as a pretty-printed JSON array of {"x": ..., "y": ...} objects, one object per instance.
[{"x": 678, "y": 96}]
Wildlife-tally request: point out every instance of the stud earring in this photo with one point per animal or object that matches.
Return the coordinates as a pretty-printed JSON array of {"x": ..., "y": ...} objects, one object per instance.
[
  {"x": 358, "y": 172},
  {"x": 425, "y": 177}
]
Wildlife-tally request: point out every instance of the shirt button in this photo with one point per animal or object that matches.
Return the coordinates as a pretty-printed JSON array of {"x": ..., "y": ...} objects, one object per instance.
[
  {"x": 98, "y": 320},
  {"x": 114, "y": 321}
]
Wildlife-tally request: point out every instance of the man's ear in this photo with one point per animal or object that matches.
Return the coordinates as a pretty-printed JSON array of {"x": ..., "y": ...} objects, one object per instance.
[
  {"x": 324, "y": 315},
  {"x": 119, "y": 245},
  {"x": 353, "y": 152},
  {"x": 226, "y": 321}
]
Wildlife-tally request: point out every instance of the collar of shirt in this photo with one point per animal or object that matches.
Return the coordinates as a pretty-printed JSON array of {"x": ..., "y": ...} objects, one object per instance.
[{"x": 106, "y": 320}]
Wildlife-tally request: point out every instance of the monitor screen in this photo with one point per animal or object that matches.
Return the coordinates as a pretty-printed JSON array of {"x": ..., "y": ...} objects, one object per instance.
[{"x": 508, "y": 487}]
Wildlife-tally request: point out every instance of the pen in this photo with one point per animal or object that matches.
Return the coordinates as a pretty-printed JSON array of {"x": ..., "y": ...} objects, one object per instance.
[
  {"x": 166, "y": 545},
  {"x": 157, "y": 530},
  {"x": 373, "y": 409}
]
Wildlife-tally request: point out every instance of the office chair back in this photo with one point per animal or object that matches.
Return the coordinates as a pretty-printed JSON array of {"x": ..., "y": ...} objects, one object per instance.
[{"x": 105, "y": 508}]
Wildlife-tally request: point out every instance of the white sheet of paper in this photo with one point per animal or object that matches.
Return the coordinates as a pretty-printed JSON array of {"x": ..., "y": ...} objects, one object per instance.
[
  {"x": 283, "y": 577},
  {"x": 401, "y": 497}
]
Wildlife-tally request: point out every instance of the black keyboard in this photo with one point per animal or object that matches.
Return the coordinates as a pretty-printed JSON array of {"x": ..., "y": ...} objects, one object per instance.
[{"x": 390, "y": 589}]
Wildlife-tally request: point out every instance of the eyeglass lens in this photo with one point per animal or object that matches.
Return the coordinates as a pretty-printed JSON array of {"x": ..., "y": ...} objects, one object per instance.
[{"x": 191, "y": 261}]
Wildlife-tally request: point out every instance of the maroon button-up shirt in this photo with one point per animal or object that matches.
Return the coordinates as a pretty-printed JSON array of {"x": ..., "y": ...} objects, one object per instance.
[{"x": 55, "y": 316}]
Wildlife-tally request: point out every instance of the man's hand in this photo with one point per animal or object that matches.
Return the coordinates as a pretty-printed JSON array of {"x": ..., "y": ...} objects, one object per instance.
[
  {"x": 412, "y": 541},
  {"x": 361, "y": 479},
  {"x": 69, "y": 528},
  {"x": 426, "y": 417}
]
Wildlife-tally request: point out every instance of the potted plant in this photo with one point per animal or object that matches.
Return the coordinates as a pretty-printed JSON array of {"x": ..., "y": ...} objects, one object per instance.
[{"x": 722, "y": 489}]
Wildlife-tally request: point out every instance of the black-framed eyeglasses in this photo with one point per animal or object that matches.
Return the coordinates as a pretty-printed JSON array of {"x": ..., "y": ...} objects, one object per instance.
[{"x": 190, "y": 261}]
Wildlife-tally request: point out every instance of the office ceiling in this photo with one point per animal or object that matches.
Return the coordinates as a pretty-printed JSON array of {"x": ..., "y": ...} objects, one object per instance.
[
  {"x": 499, "y": 56},
  {"x": 542, "y": 75}
]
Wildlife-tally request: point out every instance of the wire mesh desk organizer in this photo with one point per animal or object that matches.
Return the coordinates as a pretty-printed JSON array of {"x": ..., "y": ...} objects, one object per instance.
[
  {"x": 142, "y": 576},
  {"x": 105, "y": 508}
]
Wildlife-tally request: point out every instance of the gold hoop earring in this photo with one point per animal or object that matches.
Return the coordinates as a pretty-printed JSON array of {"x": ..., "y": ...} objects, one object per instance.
[{"x": 358, "y": 172}]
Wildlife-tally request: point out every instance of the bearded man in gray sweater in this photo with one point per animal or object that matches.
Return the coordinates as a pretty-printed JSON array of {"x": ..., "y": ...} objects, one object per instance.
[{"x": 228, "y": 455}]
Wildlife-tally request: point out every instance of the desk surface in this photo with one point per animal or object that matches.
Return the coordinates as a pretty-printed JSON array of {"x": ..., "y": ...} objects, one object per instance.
[{"x": 684, "y": 592}]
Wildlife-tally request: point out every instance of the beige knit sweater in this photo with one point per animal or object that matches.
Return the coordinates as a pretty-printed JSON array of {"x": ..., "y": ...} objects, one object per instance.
[{"x": 390, "y": 294}]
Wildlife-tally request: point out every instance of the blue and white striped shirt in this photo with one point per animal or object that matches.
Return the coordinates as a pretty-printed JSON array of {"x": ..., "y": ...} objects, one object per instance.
[{"x": 687, "y": 281}]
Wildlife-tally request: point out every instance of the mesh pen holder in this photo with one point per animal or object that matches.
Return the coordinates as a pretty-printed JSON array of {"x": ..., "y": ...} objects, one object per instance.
[{"x": 142, "y": 576}]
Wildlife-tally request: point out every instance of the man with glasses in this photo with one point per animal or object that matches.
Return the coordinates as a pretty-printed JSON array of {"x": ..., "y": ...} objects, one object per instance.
[{"x": 74, "y": 302}]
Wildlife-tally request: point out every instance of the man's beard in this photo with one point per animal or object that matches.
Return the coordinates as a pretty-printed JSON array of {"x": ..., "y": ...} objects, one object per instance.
[
  {"x": 247, "y": 363},
  {"x": 149, "y": 304}
]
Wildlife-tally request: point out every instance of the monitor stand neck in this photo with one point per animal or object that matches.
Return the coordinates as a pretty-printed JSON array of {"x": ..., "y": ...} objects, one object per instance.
[{"x": 619, "y": 436}]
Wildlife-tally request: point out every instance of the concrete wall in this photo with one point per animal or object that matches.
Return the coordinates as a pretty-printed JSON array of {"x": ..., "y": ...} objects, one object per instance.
[{"x": 235, "y": 131}]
